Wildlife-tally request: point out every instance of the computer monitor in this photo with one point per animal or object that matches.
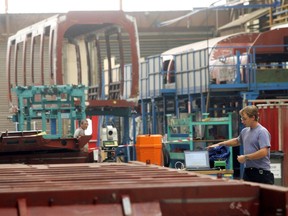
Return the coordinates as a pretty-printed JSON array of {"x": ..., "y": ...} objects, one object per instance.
[{"x": 196, "y": 159}]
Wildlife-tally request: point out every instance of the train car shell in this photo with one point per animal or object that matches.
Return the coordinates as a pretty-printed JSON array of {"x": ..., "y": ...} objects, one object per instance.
[{"x": 221, "y": 51}]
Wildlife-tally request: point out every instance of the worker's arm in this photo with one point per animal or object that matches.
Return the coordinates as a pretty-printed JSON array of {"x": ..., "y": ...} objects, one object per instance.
[
  {"x": 253, "y": 156},
  {"x": 232, "y": 142}
]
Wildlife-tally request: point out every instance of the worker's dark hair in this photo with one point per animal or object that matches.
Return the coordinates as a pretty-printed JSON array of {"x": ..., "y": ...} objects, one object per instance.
[{"x": 250, "y": 111}]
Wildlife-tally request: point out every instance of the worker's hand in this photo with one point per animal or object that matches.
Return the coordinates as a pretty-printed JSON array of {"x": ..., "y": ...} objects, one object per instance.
[
  {"x": 241, "y": 158},
  {"x": 211, "y": 146}
]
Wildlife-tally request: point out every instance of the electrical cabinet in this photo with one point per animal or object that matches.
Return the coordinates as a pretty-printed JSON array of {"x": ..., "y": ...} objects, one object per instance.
[{"x": 183, "y": 134}]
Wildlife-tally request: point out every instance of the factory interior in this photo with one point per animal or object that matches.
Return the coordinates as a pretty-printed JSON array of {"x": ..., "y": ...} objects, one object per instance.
[{"x": 155, "y": 89}]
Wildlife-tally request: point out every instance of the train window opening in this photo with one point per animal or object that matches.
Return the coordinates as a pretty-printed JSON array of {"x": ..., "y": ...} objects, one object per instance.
[{"x": 169, "y": 71}]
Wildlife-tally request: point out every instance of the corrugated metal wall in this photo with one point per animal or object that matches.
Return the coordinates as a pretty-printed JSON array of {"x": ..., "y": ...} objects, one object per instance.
[{"x": 4, "y": 106}]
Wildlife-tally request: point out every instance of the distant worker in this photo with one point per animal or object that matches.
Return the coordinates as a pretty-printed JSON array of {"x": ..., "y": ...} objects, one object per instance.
[
  {"x": 81, "y": 130},
  {"x": 256, "y": 145}
]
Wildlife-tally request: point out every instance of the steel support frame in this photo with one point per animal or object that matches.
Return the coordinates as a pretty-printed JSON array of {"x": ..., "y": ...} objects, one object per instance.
[{"x": 50, "y": 103}]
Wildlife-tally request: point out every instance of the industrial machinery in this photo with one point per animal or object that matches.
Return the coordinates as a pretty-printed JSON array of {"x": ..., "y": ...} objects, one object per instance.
[
  {"x": 45, "y": 121},
  {"x": 50, "y": 104},
  {"x": 56, "y": 77},
  {"x": 109, "y": 142},
  {"x": 217, "y": 76}
]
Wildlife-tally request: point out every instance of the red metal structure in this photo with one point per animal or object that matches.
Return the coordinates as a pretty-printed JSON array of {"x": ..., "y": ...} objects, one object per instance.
[
  {"x": 273, "y": 114},
  {"x": 31, "y": 148},
  {"x": 130, "y": 189},
  {"x": 49, "y": 37},
  {"x": 67, "y": 50}
]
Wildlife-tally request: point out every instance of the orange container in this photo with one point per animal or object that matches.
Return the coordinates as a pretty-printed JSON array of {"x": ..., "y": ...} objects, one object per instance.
[
  {"x": 156, "y": 140},
  {"x": 141, "y": 140},
  {"x": 148, "y": 140},
  {"x": 149, "y": 149}
]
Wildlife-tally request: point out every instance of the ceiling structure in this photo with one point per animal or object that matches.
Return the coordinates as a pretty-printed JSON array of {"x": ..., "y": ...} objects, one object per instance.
[{"x": 162, "y": 30}]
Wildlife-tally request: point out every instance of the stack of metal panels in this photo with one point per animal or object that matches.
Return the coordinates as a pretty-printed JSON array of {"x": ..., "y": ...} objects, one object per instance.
[{"x": 129, "y": 189}]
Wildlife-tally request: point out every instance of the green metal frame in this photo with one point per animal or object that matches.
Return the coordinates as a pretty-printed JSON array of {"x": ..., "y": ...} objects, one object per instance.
[
  {"x": 188, "y": 140},
  {"x": 50, "y": 103}
]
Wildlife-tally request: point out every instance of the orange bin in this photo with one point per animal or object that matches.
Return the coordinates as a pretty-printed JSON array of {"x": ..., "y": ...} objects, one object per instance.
[{"x": 149, "y": 149}]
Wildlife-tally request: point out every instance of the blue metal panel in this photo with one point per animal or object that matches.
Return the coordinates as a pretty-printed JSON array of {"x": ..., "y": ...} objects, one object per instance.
[
  {"x": 144, "y": 114},
  {"x": 53, "y": 126},
  {"x": 154, "y": 117}
]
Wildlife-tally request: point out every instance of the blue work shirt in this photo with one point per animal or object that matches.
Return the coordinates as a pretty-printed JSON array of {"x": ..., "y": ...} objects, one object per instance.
[{"x": 254, "y": 139}]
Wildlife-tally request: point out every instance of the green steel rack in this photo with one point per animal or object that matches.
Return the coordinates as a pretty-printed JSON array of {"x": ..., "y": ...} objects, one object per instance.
[{"x": 188, "y": 139}]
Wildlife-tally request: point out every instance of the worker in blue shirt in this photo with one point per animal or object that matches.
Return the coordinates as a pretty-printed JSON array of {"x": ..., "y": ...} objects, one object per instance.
[{"x": 256, "y": 145}]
